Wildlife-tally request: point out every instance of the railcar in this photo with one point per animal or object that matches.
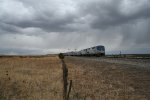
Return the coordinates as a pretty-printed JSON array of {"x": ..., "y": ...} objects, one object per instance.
[{"x": 93, "y": 51}]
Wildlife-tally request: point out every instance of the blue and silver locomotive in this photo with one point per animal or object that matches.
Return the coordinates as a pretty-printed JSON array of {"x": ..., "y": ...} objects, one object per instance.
[{"x": 93, "y": 51}]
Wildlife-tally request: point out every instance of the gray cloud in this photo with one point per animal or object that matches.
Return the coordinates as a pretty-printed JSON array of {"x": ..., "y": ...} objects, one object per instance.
[
  {"x": 42, "y": 15},
  {"x": 125, "y": 22},
  {"x": 112, "y": 13},
  {"x": 31, "y": 27}
]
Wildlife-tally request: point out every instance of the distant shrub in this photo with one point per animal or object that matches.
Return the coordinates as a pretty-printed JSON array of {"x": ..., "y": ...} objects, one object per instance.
[{"x": 61, "y": 56}]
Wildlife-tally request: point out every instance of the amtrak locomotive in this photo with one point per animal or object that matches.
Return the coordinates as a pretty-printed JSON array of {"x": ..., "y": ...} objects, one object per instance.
[{"x": 93, "y": 51}]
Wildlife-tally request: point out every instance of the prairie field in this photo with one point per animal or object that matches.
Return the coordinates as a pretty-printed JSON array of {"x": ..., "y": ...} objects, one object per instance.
[
  {"x": 109, "y": 79},
  {"x": 27, "y": 78},
  {"x": 41, "y": 78}
]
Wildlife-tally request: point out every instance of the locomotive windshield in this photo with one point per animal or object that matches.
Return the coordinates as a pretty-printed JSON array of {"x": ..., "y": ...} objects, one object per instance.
[{"x": 100, "y": 48}]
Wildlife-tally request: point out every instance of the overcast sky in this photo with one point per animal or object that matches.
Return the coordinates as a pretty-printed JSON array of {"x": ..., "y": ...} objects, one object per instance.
[{"x": 52, "y": 26}]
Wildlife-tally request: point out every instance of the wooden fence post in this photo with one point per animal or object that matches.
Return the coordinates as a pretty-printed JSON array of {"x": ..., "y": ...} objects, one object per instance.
[
  {"x": 65, "y": 81},
  {"x": 69, "y": 89}
]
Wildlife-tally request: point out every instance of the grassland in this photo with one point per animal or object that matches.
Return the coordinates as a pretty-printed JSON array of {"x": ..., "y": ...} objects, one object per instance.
[
  {"x": 100, "y": 80},
  {"x": 30, "y": 78},
  {"x": 40, "y": 78}
]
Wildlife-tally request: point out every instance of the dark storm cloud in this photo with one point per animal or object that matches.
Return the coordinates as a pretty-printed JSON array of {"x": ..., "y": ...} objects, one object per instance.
[
  {"x": 125, "y": 21},
  {"x": 112, "y": 13},
  {"x": 137, "y": 34},
  {"x": 112, "y": 16},
  {"x": 7, "y": 28},
  {"x": 38, "y": 15},
  {"x": 51, "y": 25},
  {"x": 43, "y": 26}
]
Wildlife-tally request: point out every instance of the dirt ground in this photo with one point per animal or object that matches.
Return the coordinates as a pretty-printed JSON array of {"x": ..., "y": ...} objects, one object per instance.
[
  {"x": 104, "y": 80},
  {"x": 33, "y": 78}
]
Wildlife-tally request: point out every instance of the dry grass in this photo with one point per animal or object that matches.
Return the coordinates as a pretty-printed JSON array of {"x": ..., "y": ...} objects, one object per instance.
[
  {"x": 94, "y": 80},
  {"x": 30, "y": 78},
  {"x": 40, "y": 78}
]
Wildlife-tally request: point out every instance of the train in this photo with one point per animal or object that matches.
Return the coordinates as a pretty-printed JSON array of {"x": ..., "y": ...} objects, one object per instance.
[{"x": 92, "y": 51}]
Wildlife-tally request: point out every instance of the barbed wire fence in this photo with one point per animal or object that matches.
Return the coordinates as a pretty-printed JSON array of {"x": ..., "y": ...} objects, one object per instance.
[{"x": 66, "y": 90}]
